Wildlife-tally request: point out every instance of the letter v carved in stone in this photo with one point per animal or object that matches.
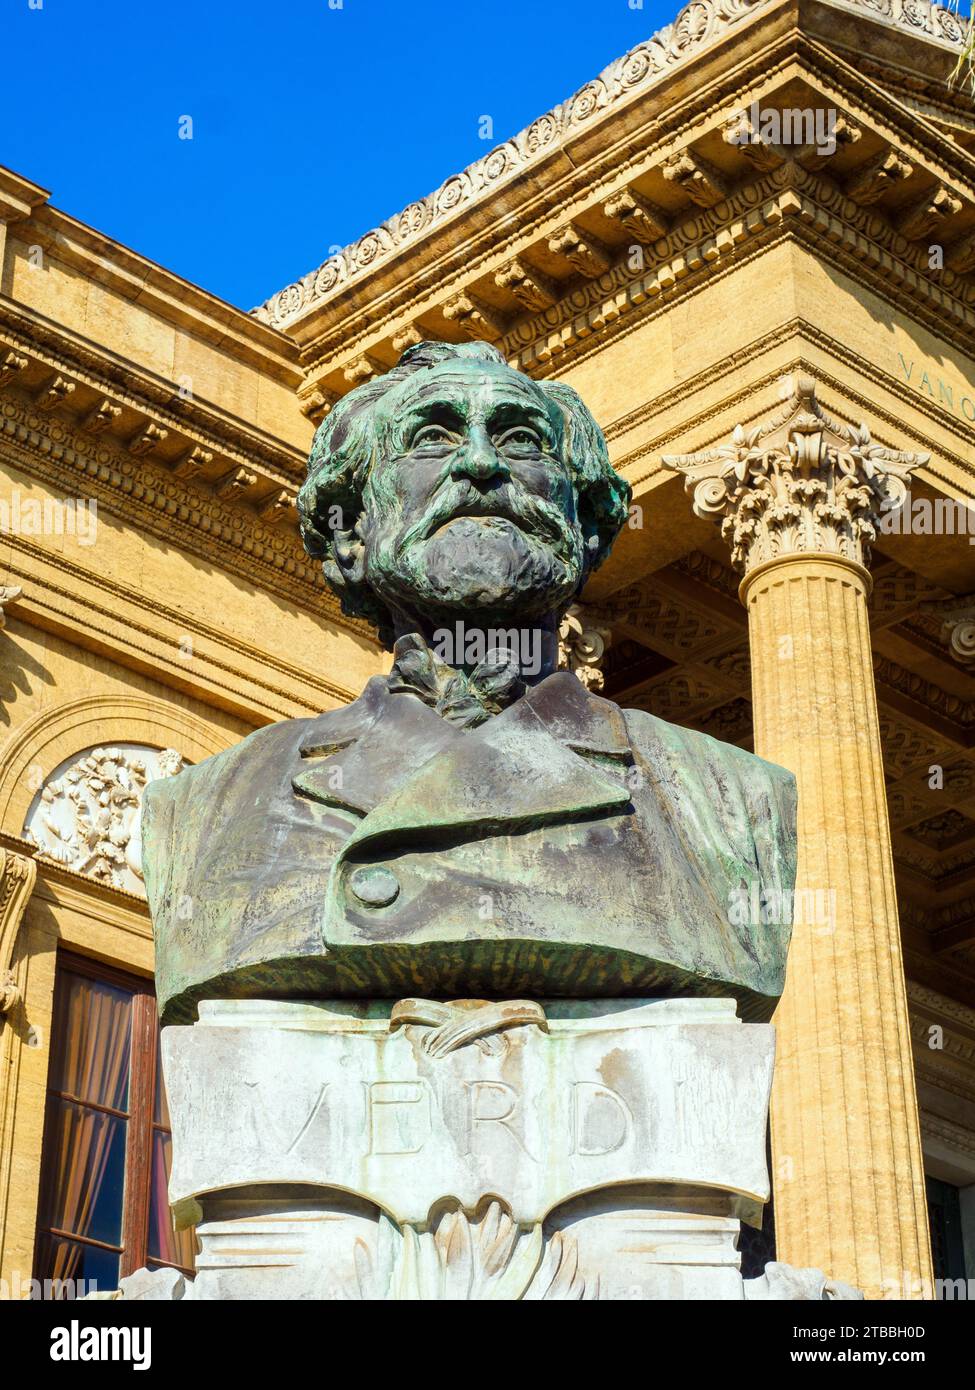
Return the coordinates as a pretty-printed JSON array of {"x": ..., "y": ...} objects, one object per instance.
[{"x": 270, "y": 1125}]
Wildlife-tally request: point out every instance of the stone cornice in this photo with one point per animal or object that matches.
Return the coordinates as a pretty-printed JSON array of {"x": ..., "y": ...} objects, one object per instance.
[
  {"x": 956, "y": 716},
  {"x": 790, "y": 202},
  {"x": 940, "y": 1006},
  {"x": 946, "y": 1132},
  {"x": 240, "y": 335},
  {"x": 178, "y": 510},
  {"x": 121, "y": 381},
  {"x": 55, "y": 883},
  {"x": 117, "y": 907},
  {"x": 146, "y": 634},
  {"x": 19, "y": 196},
  {"x": 940, "y": 972},
  {"x": 958, "y": 627},
  {"x": 947, "y": 869},
  {"x": 642, "y": 463},
  {"x": 950, "y": 1068},
  {"x": 698, "y": 27},
  {"x": 843, "y": 79},
  {"x": 703, "y": 570},
  {"x": 961, "y": 912}
]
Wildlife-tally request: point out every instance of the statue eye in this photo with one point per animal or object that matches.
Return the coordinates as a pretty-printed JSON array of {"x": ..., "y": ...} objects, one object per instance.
[
  {"x": 431, "y": 434},
  {"x": 521, "y": 437}
]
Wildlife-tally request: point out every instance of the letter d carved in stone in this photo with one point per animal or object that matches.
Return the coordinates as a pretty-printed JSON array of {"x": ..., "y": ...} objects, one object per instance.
[{"x": 601, "y": 1120}]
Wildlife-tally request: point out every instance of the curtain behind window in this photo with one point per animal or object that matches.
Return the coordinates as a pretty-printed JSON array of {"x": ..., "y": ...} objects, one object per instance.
[{"x": 86, "y": 1125}]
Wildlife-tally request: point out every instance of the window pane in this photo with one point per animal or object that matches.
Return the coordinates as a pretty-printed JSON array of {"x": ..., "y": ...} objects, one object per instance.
[
  {"x": 947, "y": 1241},
  {"x": 165, "y": 1244},
  {"x": 60, "y": 1260},
  {"x": 85, "y": 1172},
  {"x": 91, "y": 1040}
]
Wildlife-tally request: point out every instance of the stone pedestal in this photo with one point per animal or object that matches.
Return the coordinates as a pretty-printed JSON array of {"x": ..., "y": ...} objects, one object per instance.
[{"x": 602, "y": 1149}]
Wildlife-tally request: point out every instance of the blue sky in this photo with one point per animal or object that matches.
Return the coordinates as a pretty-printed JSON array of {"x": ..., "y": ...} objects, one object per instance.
[{"x": 310, "y": 123}]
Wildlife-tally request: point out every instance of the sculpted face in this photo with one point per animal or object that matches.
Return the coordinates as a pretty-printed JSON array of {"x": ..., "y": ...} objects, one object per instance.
[{"x": 469, "y": 506}]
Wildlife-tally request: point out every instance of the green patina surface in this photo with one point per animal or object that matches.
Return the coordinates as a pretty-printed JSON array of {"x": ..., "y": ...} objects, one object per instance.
[{"x": 456, "y": 831}]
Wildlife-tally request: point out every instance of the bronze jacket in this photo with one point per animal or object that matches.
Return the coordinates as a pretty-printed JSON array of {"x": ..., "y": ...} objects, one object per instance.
[{"x": 564, "y": 847}]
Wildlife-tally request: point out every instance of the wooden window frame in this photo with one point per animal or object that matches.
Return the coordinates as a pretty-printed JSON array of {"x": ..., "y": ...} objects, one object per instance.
[
  {"x": 138, "y": 1140},
  {"x": 141, "y": 1125}
]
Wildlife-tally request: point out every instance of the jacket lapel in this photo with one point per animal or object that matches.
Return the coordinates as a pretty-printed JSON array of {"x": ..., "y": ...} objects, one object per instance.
[
  {"x": 360, "y": 762},
  {"x": 520, "y": 769}
]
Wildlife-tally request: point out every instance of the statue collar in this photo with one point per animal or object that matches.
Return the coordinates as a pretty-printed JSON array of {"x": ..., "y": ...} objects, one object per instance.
[
  {"x": 555, "y": 746},
  {"x": 463, "y": 700}
]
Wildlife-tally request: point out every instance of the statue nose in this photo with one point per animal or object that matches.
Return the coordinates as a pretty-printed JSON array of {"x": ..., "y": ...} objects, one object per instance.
[{"x": 479, "y": 460}]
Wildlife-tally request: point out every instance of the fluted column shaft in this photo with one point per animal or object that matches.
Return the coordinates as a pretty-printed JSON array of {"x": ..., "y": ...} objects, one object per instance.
[
  {"x": 800, "y": 496},
  {"x": 847, "y": 1167}
]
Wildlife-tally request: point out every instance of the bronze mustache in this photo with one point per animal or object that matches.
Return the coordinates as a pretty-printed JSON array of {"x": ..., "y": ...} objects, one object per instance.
[{"x": 534, "y": 518}]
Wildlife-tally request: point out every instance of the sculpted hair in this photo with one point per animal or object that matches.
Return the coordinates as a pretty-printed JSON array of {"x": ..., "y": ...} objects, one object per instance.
[{"x": 330, "y": 500}]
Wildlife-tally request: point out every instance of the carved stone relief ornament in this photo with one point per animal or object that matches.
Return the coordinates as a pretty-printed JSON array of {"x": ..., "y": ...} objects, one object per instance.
[
  {"x": 582, "y": 646},
  {"x": 17, "y": 877},
  {"x": 958, "y": 630},
  {"x": 88, "y": 815},
  {"x": 698, "y": 24},
  {"x": 9, "y": 593},
  {"x": 797, "y": 483}
]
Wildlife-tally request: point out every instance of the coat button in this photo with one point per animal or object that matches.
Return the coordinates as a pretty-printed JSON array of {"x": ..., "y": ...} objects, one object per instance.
[{"x": 375, "y": 886}]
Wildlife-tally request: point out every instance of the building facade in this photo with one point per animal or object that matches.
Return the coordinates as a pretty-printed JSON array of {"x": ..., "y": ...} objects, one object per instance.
[{"x": 750, "y": 245}]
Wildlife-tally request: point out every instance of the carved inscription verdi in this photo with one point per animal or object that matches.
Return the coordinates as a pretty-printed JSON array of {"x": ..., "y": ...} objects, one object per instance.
[
  {"x": 602, "y": 1140},
  {"x": 328, "y": 1095},
  {"x": 400, "y": 1117}
]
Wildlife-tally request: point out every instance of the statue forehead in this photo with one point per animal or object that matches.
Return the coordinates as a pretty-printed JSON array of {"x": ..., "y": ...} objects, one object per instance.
[{"x": 470, "y": 383}]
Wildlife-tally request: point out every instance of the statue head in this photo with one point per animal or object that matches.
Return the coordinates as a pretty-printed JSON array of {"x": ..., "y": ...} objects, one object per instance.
[{"x": 455, "y": 487}]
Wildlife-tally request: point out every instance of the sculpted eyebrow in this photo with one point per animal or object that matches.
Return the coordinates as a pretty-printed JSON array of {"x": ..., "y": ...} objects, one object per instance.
[
  {"x": 431, "y": 412},
  {"x": 521, "y": 412}
]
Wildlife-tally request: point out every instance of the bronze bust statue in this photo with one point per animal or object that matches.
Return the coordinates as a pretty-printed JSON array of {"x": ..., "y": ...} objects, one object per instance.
[{"x": 477, "y": 822}]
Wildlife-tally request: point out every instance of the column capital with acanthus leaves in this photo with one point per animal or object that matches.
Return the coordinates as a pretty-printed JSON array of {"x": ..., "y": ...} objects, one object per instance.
[{"x": 797, "y": 483}]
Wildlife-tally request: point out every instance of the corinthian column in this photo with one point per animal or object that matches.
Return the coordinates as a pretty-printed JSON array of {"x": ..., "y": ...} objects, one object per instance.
[{"x": 799, "y": 499}]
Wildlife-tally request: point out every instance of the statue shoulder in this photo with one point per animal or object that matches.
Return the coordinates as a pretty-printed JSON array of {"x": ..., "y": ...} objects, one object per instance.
[
  {"x": 741, "y": 806},
  {"x": 263, "y": 760},
  {"x": 652, "y": 737},
  {"x": 191, "y": 815},
  {"x": 258, "y": 747}
]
